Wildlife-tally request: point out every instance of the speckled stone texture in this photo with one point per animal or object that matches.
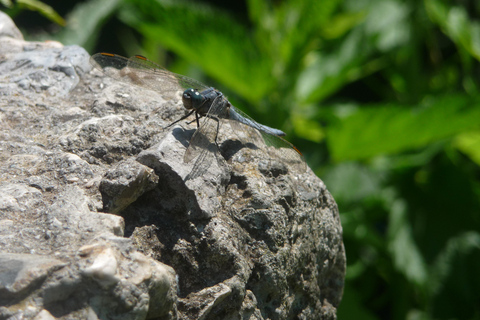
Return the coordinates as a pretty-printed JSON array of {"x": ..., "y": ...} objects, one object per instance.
[{"x": 98, "y": 220}]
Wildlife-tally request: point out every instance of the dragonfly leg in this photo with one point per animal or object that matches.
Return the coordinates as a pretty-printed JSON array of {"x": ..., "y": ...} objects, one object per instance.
[
  {"x": 216, "y": 134},
  {"x": 182, "y": 118},
  {"x": 196, "y": 118},
  {"x": 190, "y": 122}
]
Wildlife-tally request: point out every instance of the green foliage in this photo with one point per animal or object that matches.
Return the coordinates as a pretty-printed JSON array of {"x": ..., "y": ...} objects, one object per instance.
[
  {"x": 33, "y": 5},
  {"x": 85, "y": 21},
  {"x": 216, "y": 48},
  {"x": 435, "y": 119},
  {"x": 469, "y": 144},
  {"x": 382, "y": 98},
  {"x": 455, "y": 22}
]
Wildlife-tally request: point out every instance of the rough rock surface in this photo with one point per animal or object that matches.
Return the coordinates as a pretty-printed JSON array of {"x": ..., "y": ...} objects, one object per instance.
[{"x": 98, "y": 222}]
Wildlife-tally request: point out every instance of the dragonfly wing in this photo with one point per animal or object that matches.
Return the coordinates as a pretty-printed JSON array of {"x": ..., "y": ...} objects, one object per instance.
[
  {"x": 289, "y": 154},
  {"x": 246, "y": 134},
  {"x": 142, "y": 72},
  {"x": 202, "y": 164},
  {"x": 268, "y": 139},
  {"x": 142, "y": 63},
  {"x": 204, "y": 139}
]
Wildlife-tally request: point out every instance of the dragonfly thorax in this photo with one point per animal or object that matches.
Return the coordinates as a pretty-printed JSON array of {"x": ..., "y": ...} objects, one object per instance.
[{"x": 192, "y": 99}]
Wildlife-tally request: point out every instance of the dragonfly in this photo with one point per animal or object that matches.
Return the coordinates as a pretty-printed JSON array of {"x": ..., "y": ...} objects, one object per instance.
[{"x": 202, "y": 101}]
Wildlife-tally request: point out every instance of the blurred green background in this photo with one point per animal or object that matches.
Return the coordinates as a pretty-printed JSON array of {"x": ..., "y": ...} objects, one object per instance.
[{"x": 382, "y": 97}]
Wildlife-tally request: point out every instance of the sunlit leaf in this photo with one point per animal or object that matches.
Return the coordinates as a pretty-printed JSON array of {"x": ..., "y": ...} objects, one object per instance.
[
  {"x": 455, "y": 22},
  {"x": 85, "y": 21},
  {"x": 469, "y": 143},
  {"x": 307, "y": 129},
  {"x": 44, "y": 9},
  {"x": 342, "y": 23},
  {"x": 385, "y": 28},
  {"x": 7, "y": 3},
  {"x": 386, "y": 129},
  {"x": 327, "y": 73},
  {"x": 387, "y": 24},
  {"x": 350, "y": 182}
]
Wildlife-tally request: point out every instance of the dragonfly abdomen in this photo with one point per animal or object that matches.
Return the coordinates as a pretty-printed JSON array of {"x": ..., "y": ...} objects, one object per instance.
[{"x": 234, "y": 115}]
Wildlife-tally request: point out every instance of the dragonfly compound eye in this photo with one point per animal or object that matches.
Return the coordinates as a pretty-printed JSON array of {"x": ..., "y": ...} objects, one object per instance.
[{"x": 191, "y": 99}]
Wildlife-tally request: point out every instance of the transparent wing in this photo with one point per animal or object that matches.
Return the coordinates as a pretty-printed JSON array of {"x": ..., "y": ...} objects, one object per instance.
[
  {"x": 247, "y": 130},
  {"x": 142, "y": 72},
  {"x": 204, "y": 139},
  {"x": 201, "y": 165},
  {"x": 266, "y": 138}
]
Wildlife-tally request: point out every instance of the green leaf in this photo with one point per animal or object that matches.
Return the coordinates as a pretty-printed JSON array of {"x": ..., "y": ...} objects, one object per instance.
[
  {"x": 351, "y": 182},
  {"x": 455, "y": 22},
  {"x": 295, "y": 28},
  {"x": 407, "y": 258},
  {"x": 85, "y": 21},
  {"x": 307, "y": 129},
  {"x": 386, "y": 129},
  {"x": 7, "y": 3},
  {"x": 326, "y": 73},
  {"x": 341, "y": 23},
  {"x": 223, "y": 48},
  {"x": 387, "y": 24},
  {"x": 43, "y": 9},
  {"x": 469, "y": 143},
  {"x": 454, "y": 278},
  {"x": 385, "y": 28}
]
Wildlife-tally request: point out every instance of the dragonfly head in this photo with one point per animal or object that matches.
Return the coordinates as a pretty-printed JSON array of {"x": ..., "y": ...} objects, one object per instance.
[{"x": 192, "y": 99}]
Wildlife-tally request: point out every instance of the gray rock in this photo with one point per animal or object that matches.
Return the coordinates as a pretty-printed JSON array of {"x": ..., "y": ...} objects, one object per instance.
[
  {"x": 22, "y": 272},
  {"x": 8, "y": 28},
  {"x": 100, "y": 218},
  {"x": 125, "y": 183}
]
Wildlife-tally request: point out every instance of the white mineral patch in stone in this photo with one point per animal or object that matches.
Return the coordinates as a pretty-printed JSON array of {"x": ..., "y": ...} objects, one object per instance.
[
  {"x": 44, "y": 315},
  {"x": 104, "y": 267}
]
